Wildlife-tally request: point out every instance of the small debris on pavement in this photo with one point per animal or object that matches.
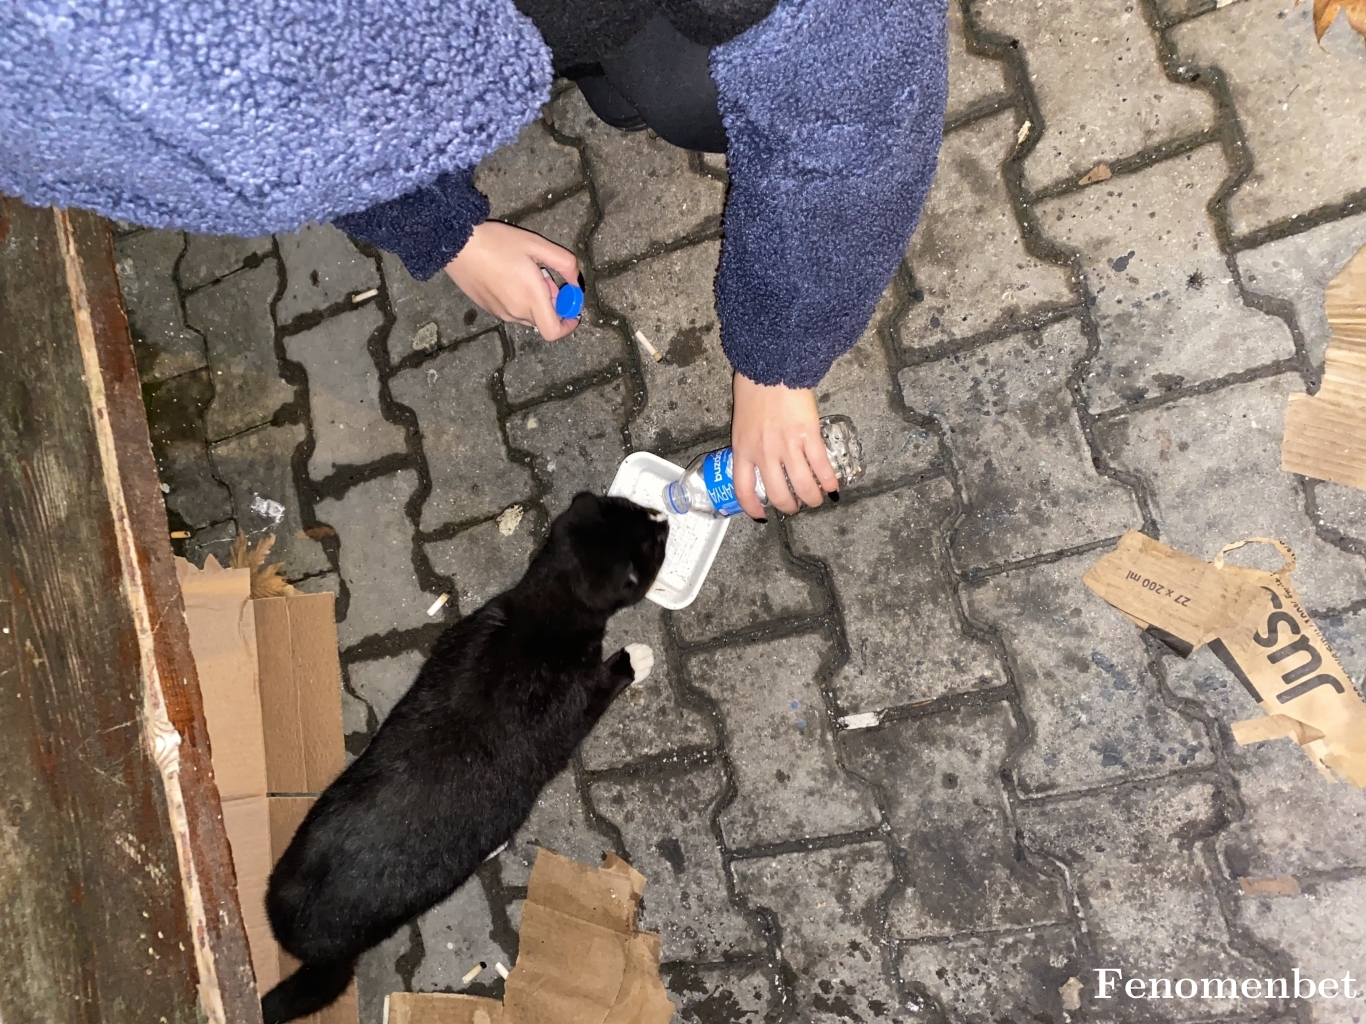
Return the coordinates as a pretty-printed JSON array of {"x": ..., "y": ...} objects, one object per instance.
[
  {"x": 473, "y": 973},
  {"x": 438, "y": 604},
  {"x": 502, "y": 971},
  {"x": 1275, "y": 885},
  {"x": 654, "y": 353},
  {"x": 510, "y": 519},
  {"x": 1100, "y": 172},
  {"x": 865, "y": 720},
  {"x": 1070, "y": 991},
  {"x": 360, "y": 297},
  {"x": 180, "y": 534}
]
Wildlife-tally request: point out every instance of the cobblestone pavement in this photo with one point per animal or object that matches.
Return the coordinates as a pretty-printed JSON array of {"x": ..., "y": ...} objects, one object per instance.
[{"x": 1062, "y": 357}]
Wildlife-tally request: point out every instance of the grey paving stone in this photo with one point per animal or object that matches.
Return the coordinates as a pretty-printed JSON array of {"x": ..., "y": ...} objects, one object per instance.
[
  {"x": 1003, "y": 977},
  {"x": 428, "y": 314},
  {"x": 1144, "y": 890},
  {"x": 1294, "y": 821},
  {"x": 257, "y": 467},
  {"x": 967, "y": 254},
  {"x": 1100, "y": 88},
  {"x": 234, "y": 318},
  {"x": 788, "y": 781},
  {"x": 376, "y": 557},
  {"x": 213, "y": 540},
  {"x": 1306, "y": 141},
  {"x": 750, "y": 583},
  {"x": 826, "y": 905},
  {"x": 665, "y": 822},
  {"x": 953, "y": 824},
  {"x": 1298, "y": 268},
  {"x": 175, "y": 422},
  {"x": 209, "y": 257},
  {"x": 576, "y": 441},
  {"x": 538, "y": 366},
  {"x": 483, "y": 562},
  {"x": 1096, "y": 711},
  {"x": 456, "y": 934},
  {"x": 557, "y": 823},
  {"x": 380, "y": 683},
  {"x": 1022, "y": 459},
  {"x": 466, "y": 457},
  {"x": 670, "y": 300},
  {"x": 343, "y": 393},
  {"x": 322, "y": 268},
  {"x": 860, "y": 385},
  {"x": 1342, "y": 509},
  {"x": 905, "y": 638},
  {"x": 1317, "y": 929},
  {"x": 647, "y": 190},
  {"x": 326, "y": 581},
  {"x": 1212, "y": 465},
  {"x": 647, "y": 720},
  {"x": 972, "y": 79},
  {"x": 566, "y": 223},
  {"x": 1168, "y": 311},
  {"x": 162, "y": 344},
  {"x": 376, "y": 975},
  {"x": 527, "y": 173},
  {"x": 722, "y": 995}
]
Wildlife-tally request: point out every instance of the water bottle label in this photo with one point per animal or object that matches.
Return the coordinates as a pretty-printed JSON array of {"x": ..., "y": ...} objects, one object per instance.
[{"x": 717, "y": 476}]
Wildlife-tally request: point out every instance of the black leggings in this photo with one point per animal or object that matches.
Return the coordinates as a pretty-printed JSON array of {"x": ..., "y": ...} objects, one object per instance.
[{"x": 659, "y": 80}]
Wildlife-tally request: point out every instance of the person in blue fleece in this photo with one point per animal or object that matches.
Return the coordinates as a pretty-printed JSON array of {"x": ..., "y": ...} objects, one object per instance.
[{"x": 251, "y": 118}]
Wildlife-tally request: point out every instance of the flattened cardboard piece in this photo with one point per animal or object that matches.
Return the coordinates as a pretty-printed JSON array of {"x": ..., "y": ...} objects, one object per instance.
[
  {"x": 300, "y": 692},
  {"x": 568, "y": 971},
  {"x": 1255, "y": 623},
  {"x": 221, "y": 620},
  {"x": 1325, "y": 434},
  {"x": 438, "y": 1008},
  {"x": 261, "y": 661}
]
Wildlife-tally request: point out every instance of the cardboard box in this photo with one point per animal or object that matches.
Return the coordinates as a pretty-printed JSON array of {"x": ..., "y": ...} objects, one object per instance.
[{"x": 271, "y": 684}]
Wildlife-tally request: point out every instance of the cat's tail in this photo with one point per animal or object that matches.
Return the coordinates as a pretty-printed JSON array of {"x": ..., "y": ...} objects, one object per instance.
[{"x": 308, "y": 990}]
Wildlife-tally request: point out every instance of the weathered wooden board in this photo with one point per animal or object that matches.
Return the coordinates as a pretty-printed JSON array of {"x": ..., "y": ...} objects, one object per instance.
[{"x": 95, "y": 923}]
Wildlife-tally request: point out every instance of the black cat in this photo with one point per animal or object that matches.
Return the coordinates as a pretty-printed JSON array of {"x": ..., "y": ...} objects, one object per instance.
[{"x": 496, "y": 712}]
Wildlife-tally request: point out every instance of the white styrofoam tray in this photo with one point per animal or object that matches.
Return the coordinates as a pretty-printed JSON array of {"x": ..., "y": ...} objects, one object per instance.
[{"x": 693, "y": 539}]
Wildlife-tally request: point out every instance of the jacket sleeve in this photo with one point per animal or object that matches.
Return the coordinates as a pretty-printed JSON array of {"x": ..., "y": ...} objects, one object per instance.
[
  {"x": 424, "y": 228},
  {"x": 834, "y": 113}
]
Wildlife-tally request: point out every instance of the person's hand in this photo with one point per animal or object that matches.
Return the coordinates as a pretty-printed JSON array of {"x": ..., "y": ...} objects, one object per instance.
[
  {"x": 500, "y": 270},
  {"x": 778, "y": 429}
]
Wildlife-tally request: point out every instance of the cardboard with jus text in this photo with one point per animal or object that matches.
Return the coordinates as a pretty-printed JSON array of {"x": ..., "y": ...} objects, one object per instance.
[
  {"x": 1325, "y": 434},
  {"x": 1254, "y": 621},
  {"x": 271, "y": 685},
  {"x": 580, "y": 958}
]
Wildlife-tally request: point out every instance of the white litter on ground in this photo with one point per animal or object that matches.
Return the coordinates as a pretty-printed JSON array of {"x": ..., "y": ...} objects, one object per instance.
[
  {"x": 510, "y": 519},
  {"x": 866, "y": 720},
  {"x": 438, "y": 604},
  {"x": 267, "y": 509}
]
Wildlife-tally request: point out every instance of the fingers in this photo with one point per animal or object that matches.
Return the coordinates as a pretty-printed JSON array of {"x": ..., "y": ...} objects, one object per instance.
[
  {"x": 543, "y": 313},
  {"x": 801, "y": 476},
  {"x": 819, "y": 461},
  {"x": 557, "y": 258},
  {"x": 775, "y": 483},
  {"x": 742, "y": 475}
]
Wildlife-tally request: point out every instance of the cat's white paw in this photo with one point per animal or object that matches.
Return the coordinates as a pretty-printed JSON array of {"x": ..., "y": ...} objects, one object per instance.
[{"x": 642, "y": 660}]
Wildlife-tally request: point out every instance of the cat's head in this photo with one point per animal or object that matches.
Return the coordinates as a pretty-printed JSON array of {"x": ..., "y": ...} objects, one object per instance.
[{"x": 611, "y": 547}]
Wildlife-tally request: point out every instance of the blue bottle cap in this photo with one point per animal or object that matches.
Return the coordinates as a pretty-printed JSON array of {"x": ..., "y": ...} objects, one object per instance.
[{"x": 569, "y": 302}]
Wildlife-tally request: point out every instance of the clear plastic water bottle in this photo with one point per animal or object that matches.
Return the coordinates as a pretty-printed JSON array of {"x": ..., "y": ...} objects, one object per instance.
[{"x": 708, "y": 484}]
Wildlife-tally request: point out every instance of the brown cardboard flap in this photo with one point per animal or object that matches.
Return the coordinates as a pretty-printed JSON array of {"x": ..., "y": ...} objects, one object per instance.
[
  {"x": 1155, "y": 585},
  {"x": 247, "y": 822},
  {"x": 434, "y": 1008},
  {"x": 1325, "y": 435},
  {"x": 300, "y": 692},
  {"x": 1256, "y": 624},
  {"x": 608, "y": 897},
  {"x": 569, "y": 971},
  {"x": 221, "y": 617},
  {"x": 643, "y": 998}
]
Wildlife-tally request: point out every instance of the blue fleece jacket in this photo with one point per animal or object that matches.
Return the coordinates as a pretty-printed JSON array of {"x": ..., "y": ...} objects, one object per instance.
[{"x": 247, "y": 118}]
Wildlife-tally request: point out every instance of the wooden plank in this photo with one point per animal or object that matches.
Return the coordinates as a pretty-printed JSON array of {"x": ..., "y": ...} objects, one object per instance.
[{"x": 95, "y": 913}]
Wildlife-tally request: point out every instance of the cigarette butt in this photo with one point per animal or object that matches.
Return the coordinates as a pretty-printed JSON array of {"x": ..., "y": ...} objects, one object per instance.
[
  {"x": 438, "y": 603},
  {"x": 180, "y": 534},
  {"x": 866, "y": 720},
  {"x": 473, "y": 973},
  {"x": 502, "y": 971},
  {"x": 645, "y": 344},
  {"x": 362, "y": 296}
]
